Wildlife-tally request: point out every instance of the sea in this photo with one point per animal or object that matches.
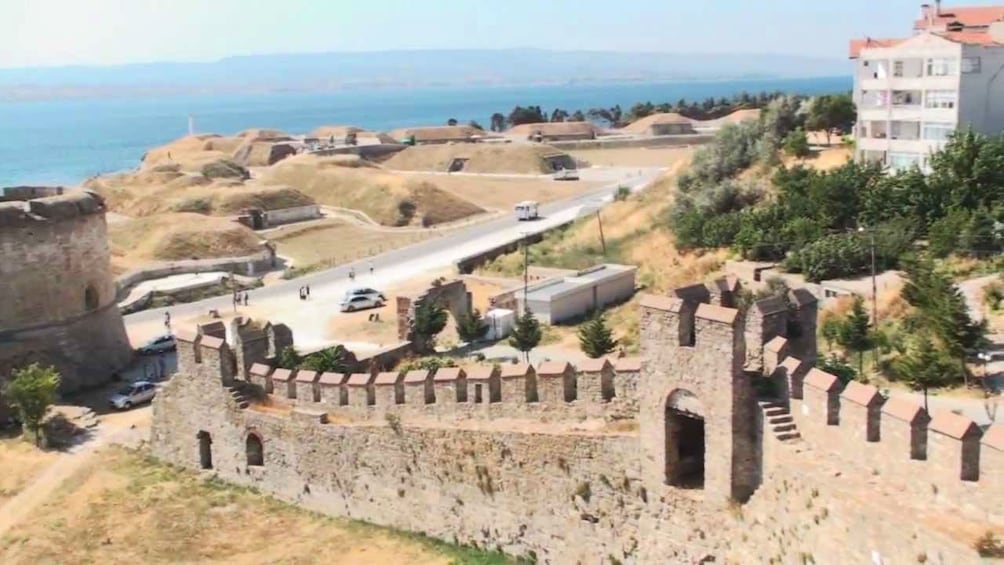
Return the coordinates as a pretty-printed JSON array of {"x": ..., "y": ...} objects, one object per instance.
[{"x": 65, "y": 141}]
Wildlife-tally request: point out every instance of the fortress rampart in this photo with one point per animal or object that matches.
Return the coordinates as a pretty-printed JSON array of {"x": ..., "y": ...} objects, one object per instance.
[
  {"x": 59, "y": 305},
  {"x": 670, "y": 458}
]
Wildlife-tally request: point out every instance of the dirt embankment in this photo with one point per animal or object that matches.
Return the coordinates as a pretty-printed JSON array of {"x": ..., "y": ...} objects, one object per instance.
[
  {"x": 174, "y": 236},
  {"x": 517, "y": 158},
  {"x": 385, "y": 197}
]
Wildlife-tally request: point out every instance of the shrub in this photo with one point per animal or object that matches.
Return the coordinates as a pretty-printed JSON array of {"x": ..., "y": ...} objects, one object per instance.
[
  {"x": 225, "y": 169},
  {"x": 834, "y": 256},
  {"x": 796, "y": 144},
  {"x": 31, "y": 391}
]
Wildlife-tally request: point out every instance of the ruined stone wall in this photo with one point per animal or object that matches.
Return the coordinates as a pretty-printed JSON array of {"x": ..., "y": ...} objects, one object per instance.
[{"x": 59, "y": 295}]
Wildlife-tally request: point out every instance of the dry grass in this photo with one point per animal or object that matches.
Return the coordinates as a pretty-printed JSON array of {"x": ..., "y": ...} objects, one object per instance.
[
  {"x": 331, "y": 242},
  {"x": 191, "y": 152},
  {"x": 634, "y": 156},
  {"x": 124, "y": 508},
  {"x": 518, "y": 158},
  {"x": 21, "y": 462},
  {"x": 381, "y": 195},
  {"x": 167, "y": 237},
  {"x": 824, "y": 160},
  {"x": 504, "y": 193}
]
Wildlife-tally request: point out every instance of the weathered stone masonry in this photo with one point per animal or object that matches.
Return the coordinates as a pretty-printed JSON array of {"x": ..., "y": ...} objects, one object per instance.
[
  {"x": 666, "y": 460},
  {"x": 58, "y": 305}
]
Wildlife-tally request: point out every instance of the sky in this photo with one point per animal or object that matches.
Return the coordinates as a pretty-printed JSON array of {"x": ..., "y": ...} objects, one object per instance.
[{"x": 106, "y": 32}]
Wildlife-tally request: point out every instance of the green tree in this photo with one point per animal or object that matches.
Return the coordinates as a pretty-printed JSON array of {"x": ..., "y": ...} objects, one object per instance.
[
  {"x": 471, "y": 326},
  {"x": 526, "y": 334},
  {"x": 330, "y": 360},
  {"x": 497, "y": 122},
  {"x": 30, "y": 391},
  {"x": 451, "y": 122},
  {"x": 430, "y": 319},
  {"x": 832, "y": 113},
  {"x": 924, "y": 367},
  {"x": 595, "y": 338},
  {"x": 796, "y": 144},
  {"x": 836, "y": 367},
  {"x": 855, "y": 333},
  {"x": 288, "y": 358}
]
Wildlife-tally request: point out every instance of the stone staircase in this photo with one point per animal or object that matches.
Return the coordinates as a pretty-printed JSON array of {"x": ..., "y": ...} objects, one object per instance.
[
  {"x": 778, "y": 419},
  {"x": 237, "y": 394}
]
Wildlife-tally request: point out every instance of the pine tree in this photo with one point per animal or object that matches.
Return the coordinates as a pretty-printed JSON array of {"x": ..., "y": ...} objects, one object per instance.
[
  {"x": 595, "y": 338},
  {"x": 526, "y": 334},
  {"x": 288, "y": 358},
  {"x": 924, "y": 367},
  {"x": 430, "y": 319},
  {"x": 471, "y": 326},
  {"x": 855, "y": 333}
]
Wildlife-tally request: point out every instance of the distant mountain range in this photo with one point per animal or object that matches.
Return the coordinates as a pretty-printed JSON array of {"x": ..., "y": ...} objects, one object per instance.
[{"x": 329, "y": 71}]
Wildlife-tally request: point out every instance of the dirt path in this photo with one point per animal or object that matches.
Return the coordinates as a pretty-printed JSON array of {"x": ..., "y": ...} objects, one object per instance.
[{"x": 121, "y": 428}]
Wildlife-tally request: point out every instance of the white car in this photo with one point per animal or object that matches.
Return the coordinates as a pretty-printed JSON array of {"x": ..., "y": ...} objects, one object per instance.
[
  {"x": 527, "y": 210},
  {"x": 361, "y": 302},
  {"x": 352, "y": 292},
  {"x": 566, "y": 174},
  {"x": 159, "y": 344},
  {"x": 134, "y": 394}
]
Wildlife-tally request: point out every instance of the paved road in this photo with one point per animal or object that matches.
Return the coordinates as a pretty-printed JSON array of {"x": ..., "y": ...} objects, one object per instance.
[{"x": 309, "y": 320}]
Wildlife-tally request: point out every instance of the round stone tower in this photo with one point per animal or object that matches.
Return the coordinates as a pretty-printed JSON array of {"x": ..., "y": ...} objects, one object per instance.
[{"x": 57, "y": 304}]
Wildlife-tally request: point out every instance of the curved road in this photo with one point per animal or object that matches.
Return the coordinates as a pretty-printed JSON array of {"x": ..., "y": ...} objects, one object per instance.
[{"x": 309, "y": 319}]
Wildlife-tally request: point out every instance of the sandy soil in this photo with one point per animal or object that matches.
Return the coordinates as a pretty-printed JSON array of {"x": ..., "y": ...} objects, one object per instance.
[
  {"x": 503, "y": 193},
  {"x": 634, "y": 156},
  {"x": 332, "y": 242}
]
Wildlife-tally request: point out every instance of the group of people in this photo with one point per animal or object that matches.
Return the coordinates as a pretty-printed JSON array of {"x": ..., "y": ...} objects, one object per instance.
[
  {"x": 238, "y": 297},
  {"x": 304, "y": 292}
]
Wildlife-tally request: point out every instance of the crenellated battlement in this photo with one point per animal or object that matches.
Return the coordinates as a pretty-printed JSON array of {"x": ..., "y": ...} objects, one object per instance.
[{"x": 70, "y": 206}]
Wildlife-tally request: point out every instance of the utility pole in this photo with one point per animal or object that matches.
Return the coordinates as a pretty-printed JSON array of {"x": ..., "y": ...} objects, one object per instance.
[
  {"x": 603, "y": 240},
  {"x": 526, "y": 270},
  {"x": 871, "y": 233}
]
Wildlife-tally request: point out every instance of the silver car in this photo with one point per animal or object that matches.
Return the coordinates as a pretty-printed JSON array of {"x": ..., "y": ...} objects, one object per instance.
[
  {"x": 132, "y": 395},
  {"x": 160, "y": 344},
  {"x": 365, "y": 292},
  {"x": 361, "y": 302}
]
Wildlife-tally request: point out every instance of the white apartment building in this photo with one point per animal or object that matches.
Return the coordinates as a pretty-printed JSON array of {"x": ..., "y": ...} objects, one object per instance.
[{"x": 912, "y": 93}]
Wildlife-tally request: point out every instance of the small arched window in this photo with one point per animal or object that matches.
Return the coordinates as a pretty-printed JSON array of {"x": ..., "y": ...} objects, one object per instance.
[
  {"x": 255, "y": 451},
  {"x": 91, "y": 298}
]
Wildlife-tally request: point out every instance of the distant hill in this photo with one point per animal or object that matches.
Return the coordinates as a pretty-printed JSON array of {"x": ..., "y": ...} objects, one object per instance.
[{"x": 328, "y": 71}]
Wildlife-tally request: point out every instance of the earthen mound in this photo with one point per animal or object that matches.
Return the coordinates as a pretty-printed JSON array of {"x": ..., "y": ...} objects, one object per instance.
[
  {"x": 175, "y": 236},
  {"x": 516, "y": 158}
]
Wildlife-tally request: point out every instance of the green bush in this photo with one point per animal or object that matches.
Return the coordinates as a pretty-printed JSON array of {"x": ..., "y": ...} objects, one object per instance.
[
  {"x": 225, "y": 169},
  {"x": 834, "y": 256}
]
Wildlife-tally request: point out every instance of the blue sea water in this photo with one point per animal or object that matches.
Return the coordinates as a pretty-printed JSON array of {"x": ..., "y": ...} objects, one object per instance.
[{"x": 64, "y": 141}]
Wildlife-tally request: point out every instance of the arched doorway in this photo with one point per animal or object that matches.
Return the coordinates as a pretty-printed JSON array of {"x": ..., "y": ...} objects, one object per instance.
[
  {"x": 685, "y": 440},
  {"x": 254, "y": 450},
  {"x": 205, "y": 450}
]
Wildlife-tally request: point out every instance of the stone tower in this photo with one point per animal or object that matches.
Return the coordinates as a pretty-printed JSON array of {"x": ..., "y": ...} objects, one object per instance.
[
  {"x": 696, "y": 402},
  {"x": 59, "y": 304}
]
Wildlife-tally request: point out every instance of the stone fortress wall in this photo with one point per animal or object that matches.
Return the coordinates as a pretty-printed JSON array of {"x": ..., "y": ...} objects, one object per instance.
[
  {"x": 668, "y": 459},
  {"x": 58, "y": 305}
]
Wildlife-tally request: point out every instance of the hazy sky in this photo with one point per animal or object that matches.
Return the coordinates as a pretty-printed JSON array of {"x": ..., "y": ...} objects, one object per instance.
[{"x": 62, "y": 32}]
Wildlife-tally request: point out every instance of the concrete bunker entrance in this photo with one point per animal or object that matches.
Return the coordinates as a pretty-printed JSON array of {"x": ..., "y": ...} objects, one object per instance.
[
  {"x": 685, "y": 440},
  {"x": 205, "y": 450}
]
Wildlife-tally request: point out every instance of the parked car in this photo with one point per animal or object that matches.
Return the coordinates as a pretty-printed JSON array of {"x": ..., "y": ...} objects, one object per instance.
[
  {"x": 159, "y": 344},
  {"x": 566, "y": 174},
  {"x": 365, "y": 292},
  {"x": 134, "y": 394},
  {"x": 361, "y": 302}
]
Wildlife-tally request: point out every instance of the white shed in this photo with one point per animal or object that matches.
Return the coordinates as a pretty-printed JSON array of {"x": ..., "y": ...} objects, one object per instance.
[{"x": 500, "y": 322}]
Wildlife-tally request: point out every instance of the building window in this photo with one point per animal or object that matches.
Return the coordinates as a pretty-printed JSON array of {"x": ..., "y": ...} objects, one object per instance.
[
  {"x": 254, "y": 450},
  {"x": 943, "y": 99},
  {"x": 897, "y": 69},
  {"x": 91, "y": 300},
  {"x": 903, "y": 161},
  {"x": 970, "y": 65},
  {"x": 934, "y": 131},
  {"x": 942, "y": 67}
]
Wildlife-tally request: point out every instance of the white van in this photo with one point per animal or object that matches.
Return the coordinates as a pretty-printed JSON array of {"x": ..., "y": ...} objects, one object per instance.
[{"x": 527, "y": 210}]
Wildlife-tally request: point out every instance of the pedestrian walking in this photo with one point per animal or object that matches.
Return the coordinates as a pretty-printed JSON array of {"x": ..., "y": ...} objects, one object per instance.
[
  {"x": 352, "y": 273},
  {"x": 371, "y": 268},
  {"x": 301, "y": 293},
  {"x": 307, "y": 288},
  {"x": 245, "y": 298},
  {"x": 167, "y": 320}
]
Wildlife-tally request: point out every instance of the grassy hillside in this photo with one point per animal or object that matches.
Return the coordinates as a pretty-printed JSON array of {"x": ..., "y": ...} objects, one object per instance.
[
  {"x": 385, "y": 197},
  {"x": 482, "y": 158},
  {"x": 173, "y": 236}
]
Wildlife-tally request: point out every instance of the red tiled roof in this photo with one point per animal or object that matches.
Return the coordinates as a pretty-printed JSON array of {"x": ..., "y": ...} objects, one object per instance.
[
  {"x": 858, "y": 45},
  {"x": 953, "y": 425},
  {"x": 968, "y": 37},
  {"x": 966, "y": 15},
  {"x": 994, "y": 437},
  {"x": 282, "y": 375},
  {"x": 510, "y": 371},
  {"x": 552, "y": 368},
  {"x": 445, "y": 374},
  {"x": 416, "y": 377},
  {"x": 628, "y": 365},
  {"x": 903, "y": 409},
  {"x": 594, "y": 365},
  {"x": 387, "y": 378},
  {"x": 480, "y": 373},
  {"x": 306, "y": 376},
  {"x": 359, "y": 379},
  {"x": 333, "y": 379},
  {"x": 862, "y": 394}
]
